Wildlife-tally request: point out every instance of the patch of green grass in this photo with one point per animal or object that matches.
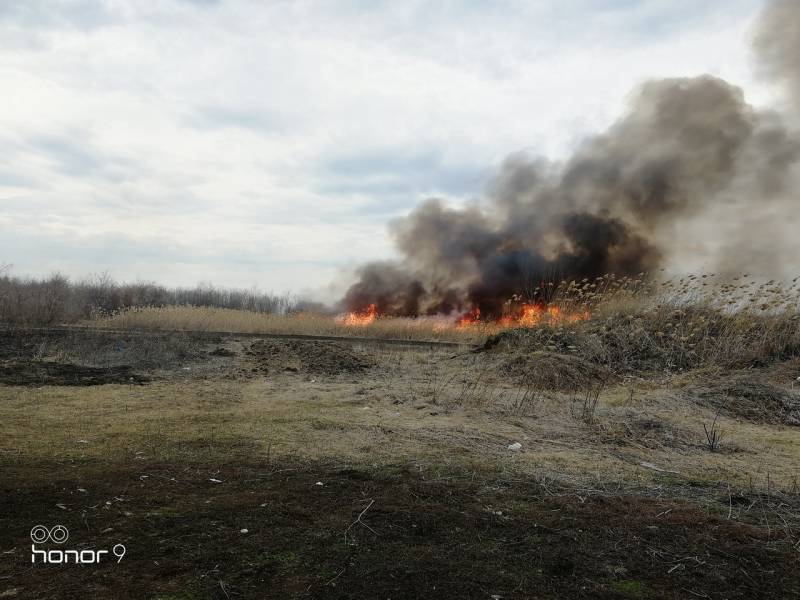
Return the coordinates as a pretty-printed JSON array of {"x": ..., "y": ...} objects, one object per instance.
[{"x": 629, "y": 588}]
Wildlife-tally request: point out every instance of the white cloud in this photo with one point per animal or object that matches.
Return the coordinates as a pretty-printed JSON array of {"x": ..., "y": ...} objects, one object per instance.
[{"x": 268, "y": 143}]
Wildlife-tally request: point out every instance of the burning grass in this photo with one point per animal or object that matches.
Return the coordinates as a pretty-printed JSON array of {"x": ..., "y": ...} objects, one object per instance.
[
  {"x": 666, "y": 339},
  {"x": 624, "y": 324},
  {"x": 193, "y": 318}
]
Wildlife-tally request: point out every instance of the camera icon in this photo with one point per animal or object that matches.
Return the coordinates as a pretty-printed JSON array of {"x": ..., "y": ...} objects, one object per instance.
[{"x": 58, "y": 534}]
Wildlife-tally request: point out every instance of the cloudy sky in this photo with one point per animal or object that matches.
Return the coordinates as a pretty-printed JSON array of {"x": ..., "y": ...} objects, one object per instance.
[{"x": 268, "y": 143}]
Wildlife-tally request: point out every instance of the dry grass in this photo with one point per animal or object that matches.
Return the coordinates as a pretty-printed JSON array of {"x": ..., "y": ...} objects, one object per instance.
[
  {"x": 192, "y": 318},
  {"x": 411, "y": 411}
]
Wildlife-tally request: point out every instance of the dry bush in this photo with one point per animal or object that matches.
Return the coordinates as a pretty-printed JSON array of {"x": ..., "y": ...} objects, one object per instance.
[
  {"x": 56, "y": 300},
  {"x": 671, "y": 326},
  {"x": 33, "y": 302}
]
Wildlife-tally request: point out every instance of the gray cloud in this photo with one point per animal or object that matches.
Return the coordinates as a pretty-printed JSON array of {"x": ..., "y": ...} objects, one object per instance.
[
  {"x": 80, "y": 14},
  {"x": 395, "y": 177},
  {"x": 259, "y": 120},
  {"x": 76, "y": 157}
]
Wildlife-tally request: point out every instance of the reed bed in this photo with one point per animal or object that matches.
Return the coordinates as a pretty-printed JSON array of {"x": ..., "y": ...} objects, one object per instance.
[
  {"x": 630, "y": 322},
  {"x": 198, "y": 318}
]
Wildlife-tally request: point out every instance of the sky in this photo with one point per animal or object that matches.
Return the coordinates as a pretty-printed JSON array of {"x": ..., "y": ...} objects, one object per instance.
[{"x": 268, "y": 143}]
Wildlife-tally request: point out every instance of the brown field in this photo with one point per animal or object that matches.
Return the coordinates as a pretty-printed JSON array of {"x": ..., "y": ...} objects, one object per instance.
[{"x": 658, "y": 458}]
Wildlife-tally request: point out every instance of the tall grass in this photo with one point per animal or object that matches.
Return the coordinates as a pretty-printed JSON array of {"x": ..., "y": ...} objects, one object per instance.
[
  {"x": 673, "y": 325},
  {"x": 198, "y": 318}
]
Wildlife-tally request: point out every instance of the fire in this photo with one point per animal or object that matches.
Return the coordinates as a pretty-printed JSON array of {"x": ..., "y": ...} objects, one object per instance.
[
  {"x": 470, "y": 318},
  {"x": 361, "y": 318},
  {"x": 517, "y": 314},
  {"x": 525, "y": 315}
]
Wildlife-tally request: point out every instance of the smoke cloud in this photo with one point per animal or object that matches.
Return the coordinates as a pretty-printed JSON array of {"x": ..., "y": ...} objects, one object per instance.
[
  {"x": 685, "y": 148},
  {"x": 778, "y": 44}
]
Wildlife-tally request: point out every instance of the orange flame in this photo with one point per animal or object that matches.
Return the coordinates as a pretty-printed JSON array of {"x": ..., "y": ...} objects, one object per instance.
[
  {"x": 361, "y": 318},
  {"x": 526, "y": 315},
  {"x": 518, "y": 315},
  {"x": 470, "y": 318}
]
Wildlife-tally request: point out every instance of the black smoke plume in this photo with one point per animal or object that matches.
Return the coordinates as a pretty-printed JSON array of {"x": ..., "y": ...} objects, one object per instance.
[{"x": 685, "y": 146}]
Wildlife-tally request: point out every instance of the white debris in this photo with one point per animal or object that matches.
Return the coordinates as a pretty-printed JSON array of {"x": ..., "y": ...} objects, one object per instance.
[
  {"x": 243, "y": 531},
  {"x": 319, "y": 483},
  {"x": 515, "y": 447},
  {"x": 82, "y": 490},
  {"x": 212, "y": 480}
]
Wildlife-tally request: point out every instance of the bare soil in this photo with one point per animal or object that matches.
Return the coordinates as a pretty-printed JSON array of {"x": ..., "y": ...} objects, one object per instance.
[
  {"x": 40, "y": 373},
  {"x": 393, "y": 533}
]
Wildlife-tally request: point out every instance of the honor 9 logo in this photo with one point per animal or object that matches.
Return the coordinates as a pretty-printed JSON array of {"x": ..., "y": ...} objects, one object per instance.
[{"x": 58, "y": 534}]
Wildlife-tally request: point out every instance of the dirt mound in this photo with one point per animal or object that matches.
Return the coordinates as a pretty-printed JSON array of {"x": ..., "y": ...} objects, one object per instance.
[
  {"x": 551, "y": 371},
  {"x": 39, "y": 373},
  {"x": 322, "y": 358},
  {"x": 639, "y": 430},
  {"x": 749, "y": 396}
]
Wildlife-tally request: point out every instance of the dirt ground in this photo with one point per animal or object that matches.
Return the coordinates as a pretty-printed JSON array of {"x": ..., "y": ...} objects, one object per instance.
[{"x": 246, "y": 468}]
